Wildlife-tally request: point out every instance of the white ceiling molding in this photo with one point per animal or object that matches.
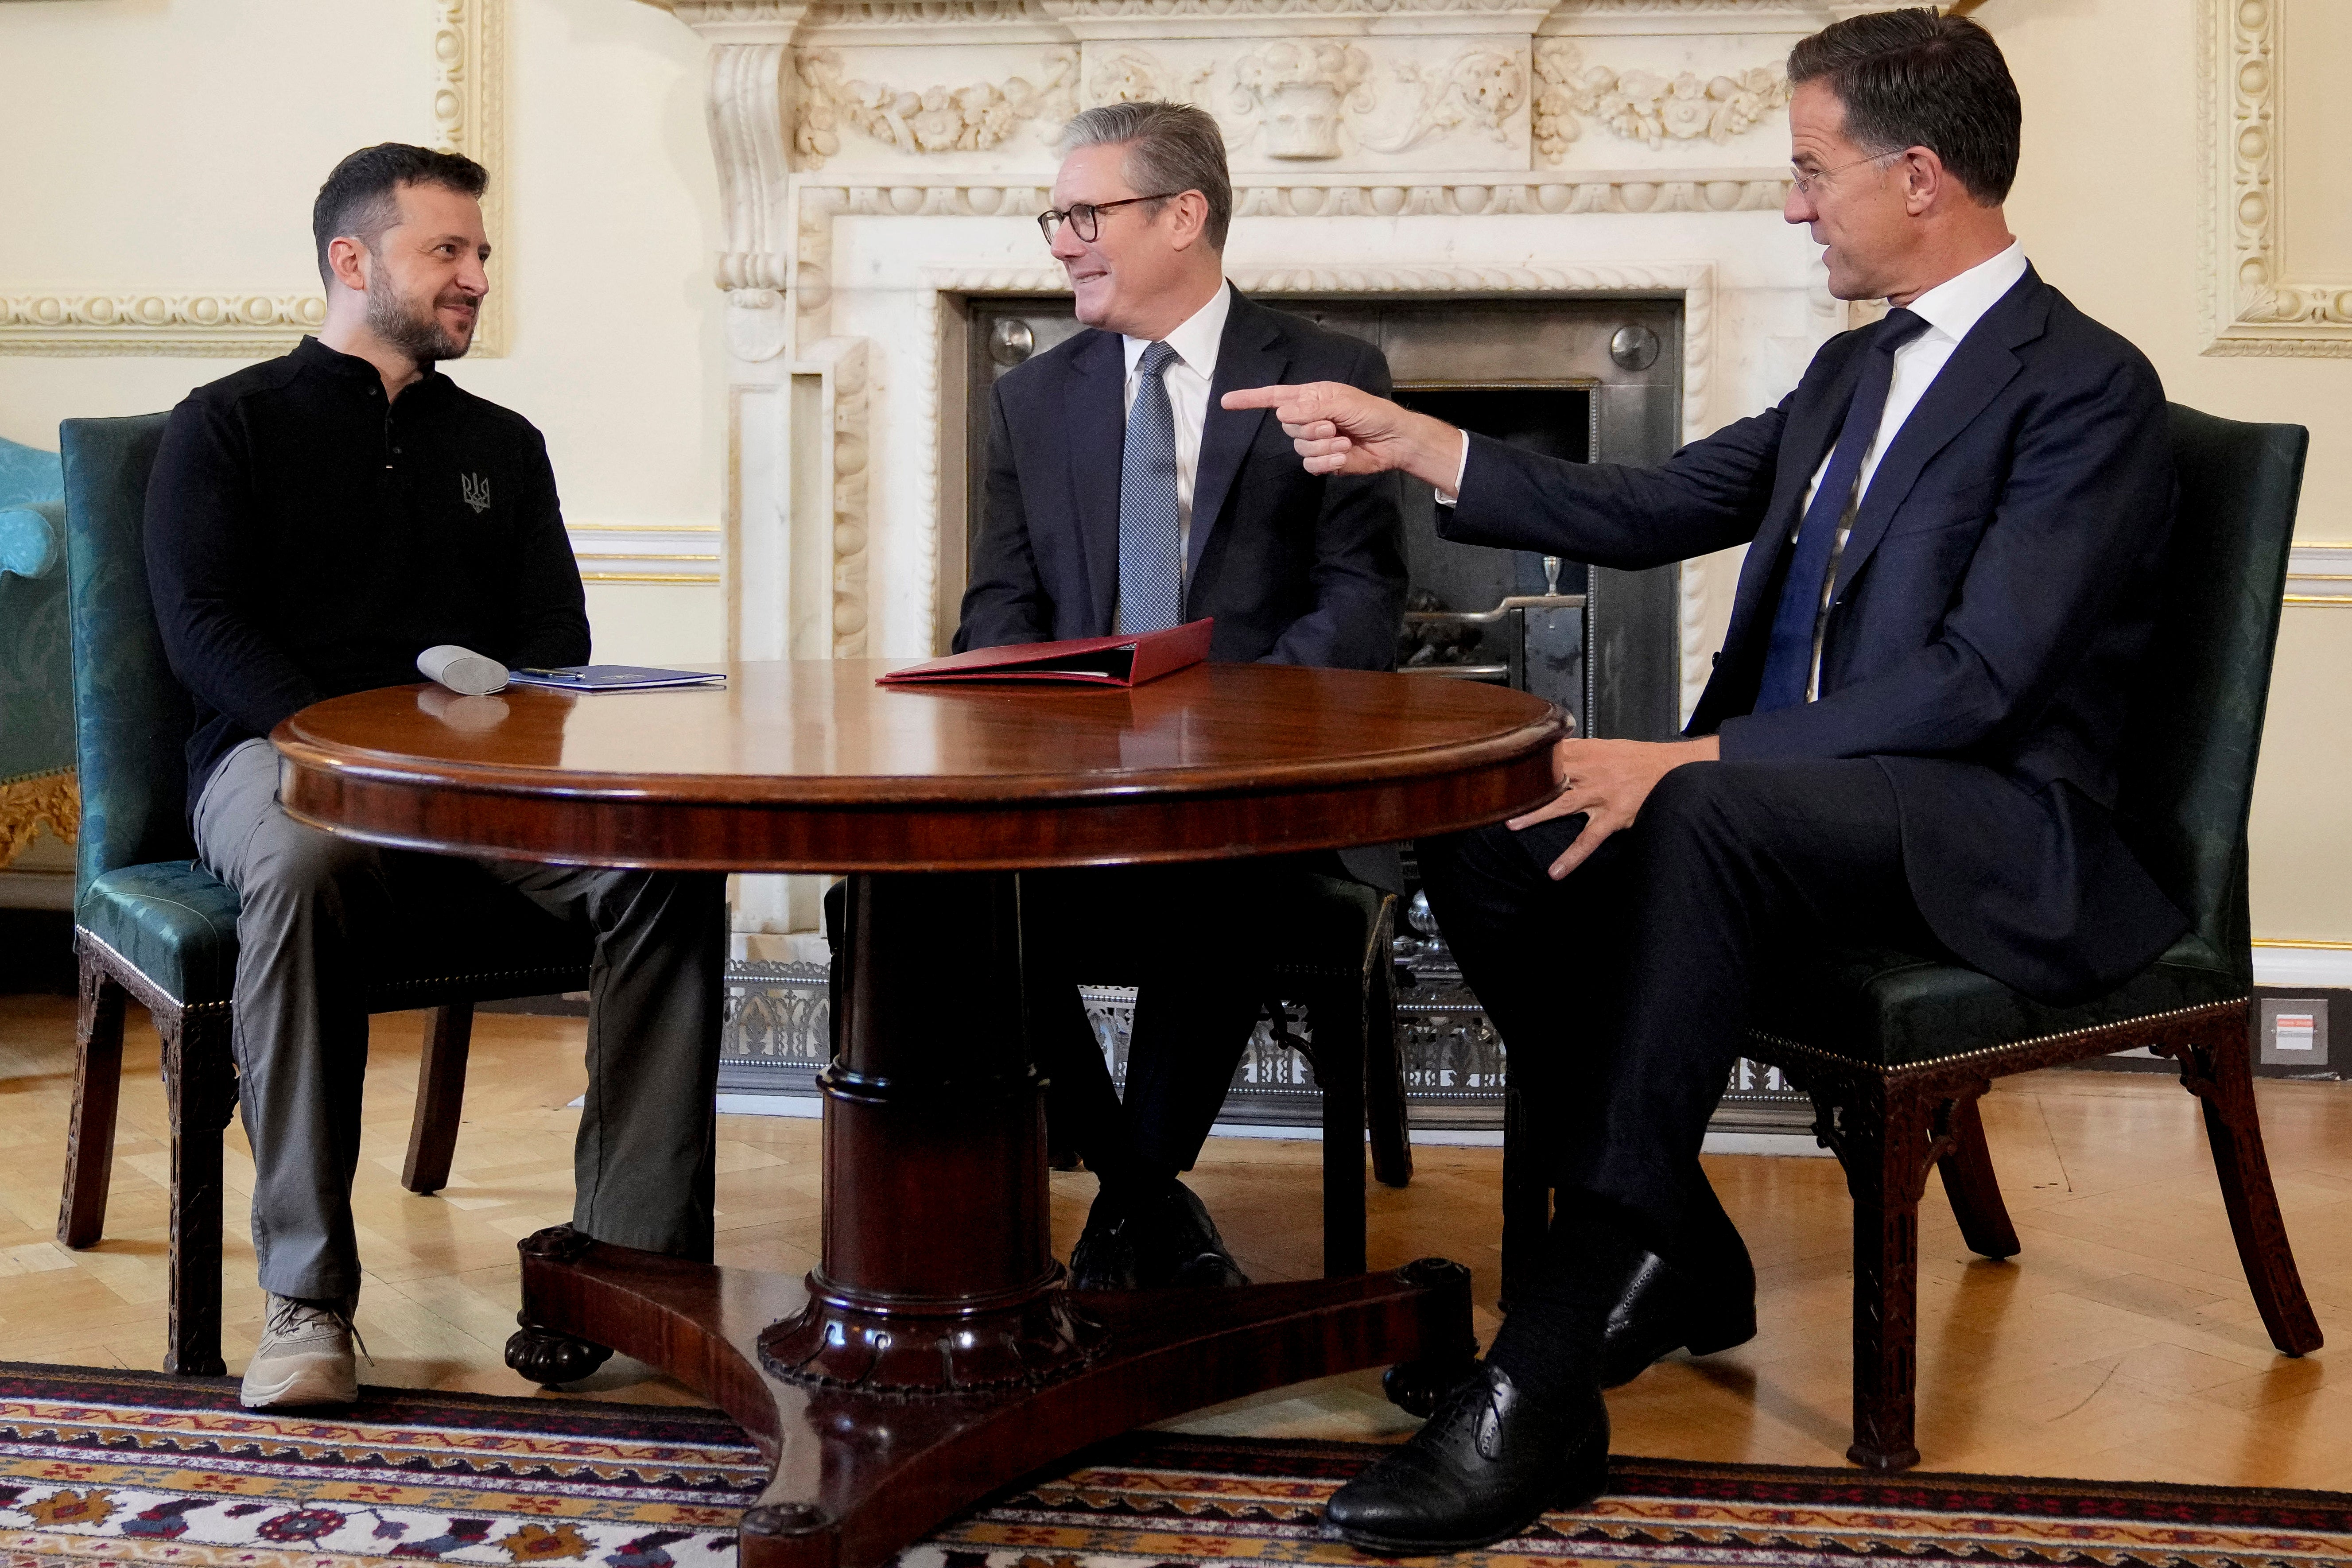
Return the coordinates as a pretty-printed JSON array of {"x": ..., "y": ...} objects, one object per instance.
[{"x": 468, "y": 45}]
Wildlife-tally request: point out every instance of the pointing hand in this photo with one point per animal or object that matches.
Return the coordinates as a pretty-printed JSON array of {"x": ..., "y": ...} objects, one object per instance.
[{"x": 1343, "y": 429}]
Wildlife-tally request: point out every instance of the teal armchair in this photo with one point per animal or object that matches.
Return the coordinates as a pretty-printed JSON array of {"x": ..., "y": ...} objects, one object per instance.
[
  {"x": 37, "y": 782},
  {"x": 1894, "y": 1048},
  {"x": 150, "y": 924}
]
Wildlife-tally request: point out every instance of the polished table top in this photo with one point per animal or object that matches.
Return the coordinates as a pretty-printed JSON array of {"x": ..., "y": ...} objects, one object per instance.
[{"x": 810, "y": 766}]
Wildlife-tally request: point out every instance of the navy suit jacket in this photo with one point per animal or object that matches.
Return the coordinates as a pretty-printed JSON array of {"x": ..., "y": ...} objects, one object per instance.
[
  {"x": 1295, "y": 569},
  {"x": 1988, "y": 610}
]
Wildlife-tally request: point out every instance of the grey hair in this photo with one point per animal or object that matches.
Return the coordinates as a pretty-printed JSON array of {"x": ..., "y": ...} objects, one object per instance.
[{"x": 1170, "y": 147}]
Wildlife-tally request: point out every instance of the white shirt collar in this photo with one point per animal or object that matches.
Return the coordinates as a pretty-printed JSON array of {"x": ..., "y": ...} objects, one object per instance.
[
  {"x": 1957, "y": 303},
  {"x": 1196, "y": 341}
]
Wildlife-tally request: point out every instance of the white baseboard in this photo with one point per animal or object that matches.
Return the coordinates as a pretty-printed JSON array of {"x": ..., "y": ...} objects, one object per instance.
[{"x": 2318, "y": 968}]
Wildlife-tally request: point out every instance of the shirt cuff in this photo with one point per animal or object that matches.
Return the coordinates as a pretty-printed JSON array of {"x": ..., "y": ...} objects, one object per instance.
[{"x": 1447, "y": 497}]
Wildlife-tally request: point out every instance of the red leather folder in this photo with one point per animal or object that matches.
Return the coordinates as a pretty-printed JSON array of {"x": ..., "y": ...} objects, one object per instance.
[{"x": 1091, "y": 661}]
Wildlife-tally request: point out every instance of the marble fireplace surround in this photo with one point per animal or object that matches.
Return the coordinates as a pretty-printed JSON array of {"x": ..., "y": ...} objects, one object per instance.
[{"x": 881, "y": 163}]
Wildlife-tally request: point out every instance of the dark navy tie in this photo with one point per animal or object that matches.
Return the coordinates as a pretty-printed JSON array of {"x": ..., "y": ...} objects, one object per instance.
[
  {"x": 1151, "y": 573},
  {"x": 1789, "y": 659}
]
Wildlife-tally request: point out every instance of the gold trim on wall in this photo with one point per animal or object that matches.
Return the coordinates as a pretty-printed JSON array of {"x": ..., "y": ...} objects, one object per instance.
[
  {"x": 468, "y": 117},
  {"x": 2252, "y": 306}
]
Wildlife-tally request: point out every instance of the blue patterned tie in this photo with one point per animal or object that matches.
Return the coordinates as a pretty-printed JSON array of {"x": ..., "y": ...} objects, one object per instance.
[
  {"x": 1789, "y": 659},
  {"x": 1151, "y": 573}
]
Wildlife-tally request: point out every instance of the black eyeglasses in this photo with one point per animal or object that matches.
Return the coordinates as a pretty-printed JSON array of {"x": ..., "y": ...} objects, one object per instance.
[{"x": 1087, "y": 216}]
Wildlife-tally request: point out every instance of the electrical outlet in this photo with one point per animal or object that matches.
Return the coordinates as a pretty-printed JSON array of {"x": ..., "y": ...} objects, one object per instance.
[{"x": 2294, "y": 1031}]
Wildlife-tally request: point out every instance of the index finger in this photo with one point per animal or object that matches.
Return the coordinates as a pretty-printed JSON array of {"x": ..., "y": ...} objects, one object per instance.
[{"x": 1260, "y": 396}]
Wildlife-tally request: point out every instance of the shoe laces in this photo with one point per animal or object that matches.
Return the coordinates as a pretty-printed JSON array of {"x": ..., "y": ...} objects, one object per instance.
[{"x": 289, "y": 1315}]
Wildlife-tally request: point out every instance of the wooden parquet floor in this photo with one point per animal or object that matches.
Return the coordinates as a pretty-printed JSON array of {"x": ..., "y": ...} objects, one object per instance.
[{"x": 2121, "y": 1343}]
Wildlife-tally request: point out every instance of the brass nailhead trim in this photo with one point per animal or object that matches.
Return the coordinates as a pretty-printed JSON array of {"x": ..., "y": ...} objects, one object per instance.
[{"x": 1884, "y": 1071}]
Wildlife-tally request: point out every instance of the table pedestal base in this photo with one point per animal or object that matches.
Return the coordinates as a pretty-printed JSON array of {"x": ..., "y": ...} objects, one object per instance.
[{"x": 861, "y": 1473}]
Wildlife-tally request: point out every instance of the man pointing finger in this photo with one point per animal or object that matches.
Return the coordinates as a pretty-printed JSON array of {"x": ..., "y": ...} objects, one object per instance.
[{"x": 1910, "y": 740}]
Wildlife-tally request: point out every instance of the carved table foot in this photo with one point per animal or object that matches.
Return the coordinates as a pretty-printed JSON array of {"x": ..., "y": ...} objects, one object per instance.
[
  {"x": 863, "y": 1472},
  {"x": 548, "y": 1356}
]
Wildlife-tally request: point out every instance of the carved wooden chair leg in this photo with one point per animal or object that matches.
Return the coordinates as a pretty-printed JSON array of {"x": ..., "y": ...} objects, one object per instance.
[
  {"x": 199, "y": 1088},
  {"x": 1975, "y": 1192},
  {"x": 1881, "y": 1134},
  {"x": 1384, "y": 1102},
  {"x": 98, "y": 1091},
  {"x": 440, "y": 1097},
  {"x": 2214, "y": 1068}
]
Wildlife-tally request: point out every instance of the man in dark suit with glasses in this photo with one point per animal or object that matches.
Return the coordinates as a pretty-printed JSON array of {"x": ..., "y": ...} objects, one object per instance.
[
  {"x": 1911, "y": 740},
  {"x": 1121, "y": 498}
]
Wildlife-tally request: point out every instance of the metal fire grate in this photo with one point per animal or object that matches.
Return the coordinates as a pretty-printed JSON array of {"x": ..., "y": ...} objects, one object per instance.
[{"x": 777, "y": 1039}]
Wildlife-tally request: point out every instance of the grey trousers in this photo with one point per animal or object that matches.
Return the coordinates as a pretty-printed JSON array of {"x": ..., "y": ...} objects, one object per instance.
[{"x": 315, "y": 909}]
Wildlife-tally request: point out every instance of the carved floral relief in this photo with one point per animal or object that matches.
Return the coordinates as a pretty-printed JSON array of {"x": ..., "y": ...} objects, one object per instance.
[
  {"x": 969, "y": 119},
  {"x": 1643, "y": 106},
  {"x": 1480, "y": 88}
]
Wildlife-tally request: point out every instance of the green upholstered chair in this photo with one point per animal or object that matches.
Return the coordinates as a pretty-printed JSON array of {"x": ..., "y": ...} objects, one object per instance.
[
  {"x": 151, "y": 924},
  {"x": 1895, "y": 1049},
  {"x": 37, "y": 785}
]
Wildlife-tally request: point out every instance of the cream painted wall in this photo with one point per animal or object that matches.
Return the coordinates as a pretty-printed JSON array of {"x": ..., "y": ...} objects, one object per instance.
[{"x": 179, "y": 144}]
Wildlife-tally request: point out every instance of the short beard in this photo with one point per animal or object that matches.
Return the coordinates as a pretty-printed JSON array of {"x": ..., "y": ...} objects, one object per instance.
[{"x": 415, "y": 331}]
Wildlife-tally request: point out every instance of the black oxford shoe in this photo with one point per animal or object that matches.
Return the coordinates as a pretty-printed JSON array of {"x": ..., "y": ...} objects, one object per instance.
[
  {"x": 1488, "y": 1465},
  {"x": 1180, "y": 1244},
  {"x": 1104, "y": 1258},
  {"x": 1660, "y": 1309}
]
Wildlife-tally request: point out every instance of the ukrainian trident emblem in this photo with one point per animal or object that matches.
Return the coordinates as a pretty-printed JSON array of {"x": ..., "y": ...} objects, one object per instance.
[{"x": 477, "y": 491}]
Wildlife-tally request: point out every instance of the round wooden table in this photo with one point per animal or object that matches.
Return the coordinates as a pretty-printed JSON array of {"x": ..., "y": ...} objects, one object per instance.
[{"x": 932, "y": 1356}]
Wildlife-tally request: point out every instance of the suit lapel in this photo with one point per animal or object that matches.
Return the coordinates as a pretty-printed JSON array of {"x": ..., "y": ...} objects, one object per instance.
[
  {"x": 1093, "y": 399},
  {"x": 1979, "y": 367},
  {"x": 1250, "y": 354}
]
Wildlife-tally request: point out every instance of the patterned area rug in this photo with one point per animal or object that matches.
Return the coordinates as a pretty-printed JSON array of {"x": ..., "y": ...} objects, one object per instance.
[
  {"x": 1166, "y": 1502},
  {"x": 100, "y": 1467}
]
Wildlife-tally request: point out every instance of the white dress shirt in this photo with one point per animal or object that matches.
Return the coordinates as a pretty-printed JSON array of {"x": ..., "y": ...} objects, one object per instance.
[
  {"x": 1187, "y": 379},
  {"x": 1950, "y": 308}
]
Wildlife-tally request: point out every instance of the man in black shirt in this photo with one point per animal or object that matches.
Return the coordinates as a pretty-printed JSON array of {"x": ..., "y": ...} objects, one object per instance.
[{"x": 313, "y": 524}]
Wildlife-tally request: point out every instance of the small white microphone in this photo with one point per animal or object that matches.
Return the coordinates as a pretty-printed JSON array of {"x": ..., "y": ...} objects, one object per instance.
[{"x": 462, "y": 670}]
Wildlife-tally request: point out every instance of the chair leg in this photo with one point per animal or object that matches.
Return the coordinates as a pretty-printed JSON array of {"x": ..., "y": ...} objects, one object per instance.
[
  {"x": 2214, "y": 1068},
  {"x": 1526, "y": 1196},
  {"x": 1339, "y": 1068},
  {"x": 1384, "y": 1101},
  {"x": 440, "y": 1097},
  {"x": 200, "y": 1088},
  {"x": 98, "y": 1091},
  {"x": 1886, "y": 1136},
  {"x": 1975, "y": 1192},
  {"x": 1885, "y": 1305}
]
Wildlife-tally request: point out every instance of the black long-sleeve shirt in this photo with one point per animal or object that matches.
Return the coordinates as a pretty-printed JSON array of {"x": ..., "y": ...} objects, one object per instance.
[{"x": 307, "y": 538}]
